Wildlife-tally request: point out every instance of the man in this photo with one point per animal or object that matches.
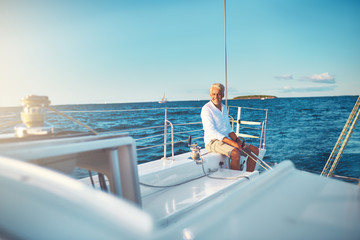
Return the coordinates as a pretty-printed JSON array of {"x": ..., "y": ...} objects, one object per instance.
[{"x": 218, "y": 135}]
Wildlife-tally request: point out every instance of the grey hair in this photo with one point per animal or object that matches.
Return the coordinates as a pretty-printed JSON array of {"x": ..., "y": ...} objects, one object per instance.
[{"x": 218, "y": 86}]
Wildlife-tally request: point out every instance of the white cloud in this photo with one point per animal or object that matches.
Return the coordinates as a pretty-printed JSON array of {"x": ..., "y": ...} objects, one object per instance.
[{"x": 321, "y": 78}]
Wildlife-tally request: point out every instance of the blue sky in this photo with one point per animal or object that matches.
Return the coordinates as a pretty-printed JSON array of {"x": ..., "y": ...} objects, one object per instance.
[{"x": 79, "y": 52}]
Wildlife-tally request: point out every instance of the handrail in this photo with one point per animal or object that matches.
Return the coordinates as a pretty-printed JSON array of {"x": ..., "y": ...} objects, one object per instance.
[
  {"x": 239, "y": 124},
  {"x": 186, "y": 128},
  {"x": 258, "y": 109},
  {"x": 181, "y": 124},
  {"x": 172, "y": 140}
]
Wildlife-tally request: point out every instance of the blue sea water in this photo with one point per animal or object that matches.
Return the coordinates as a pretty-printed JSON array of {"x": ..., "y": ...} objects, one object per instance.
[{"x": 303, "y": 130}]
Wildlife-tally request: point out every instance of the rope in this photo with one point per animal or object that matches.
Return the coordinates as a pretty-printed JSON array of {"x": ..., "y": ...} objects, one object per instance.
[
  {"x": 341, "y": 151},
  {"x": 347, "y": 178},
  {"x": 259, "y": 161},
  {"x": 172, "y": 185},
  {"x": 347, "y": 129},
  {"x": 193, "y": 179},
  {"x": 72, "y": 119}
]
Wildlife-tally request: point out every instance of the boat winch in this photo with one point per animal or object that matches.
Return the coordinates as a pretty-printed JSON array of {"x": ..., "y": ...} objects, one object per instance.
[
  {"x": 33, "y": 117},
  {"x": 195, "y": 152}
]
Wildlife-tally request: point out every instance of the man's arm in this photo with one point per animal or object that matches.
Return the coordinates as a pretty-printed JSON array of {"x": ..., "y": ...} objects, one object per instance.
[{"x": 234, "y": 141}]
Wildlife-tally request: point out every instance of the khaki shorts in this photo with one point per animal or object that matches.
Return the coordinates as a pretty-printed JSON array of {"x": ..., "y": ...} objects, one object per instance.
[{"x": 219, "y": 147}]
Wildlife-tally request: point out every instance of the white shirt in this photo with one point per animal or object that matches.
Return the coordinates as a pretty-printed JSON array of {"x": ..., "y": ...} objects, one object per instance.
[{"x": 216, "y": 123}]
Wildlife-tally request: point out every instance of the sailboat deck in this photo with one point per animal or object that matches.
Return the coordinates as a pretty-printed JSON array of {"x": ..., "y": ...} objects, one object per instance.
[
  {"x": 186, "y": 188},
  {"x": 169, "y": 204}
]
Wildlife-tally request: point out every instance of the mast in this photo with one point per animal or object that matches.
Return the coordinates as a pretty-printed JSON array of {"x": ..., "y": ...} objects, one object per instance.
[{"x": 226, "y": 91}]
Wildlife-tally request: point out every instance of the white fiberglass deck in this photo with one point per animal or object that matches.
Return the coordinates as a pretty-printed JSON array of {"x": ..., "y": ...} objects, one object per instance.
[{"x": 168, "y": 204}]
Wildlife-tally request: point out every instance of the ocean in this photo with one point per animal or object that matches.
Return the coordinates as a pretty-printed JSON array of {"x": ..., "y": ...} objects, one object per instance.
[{"x": 302, "y": 130}]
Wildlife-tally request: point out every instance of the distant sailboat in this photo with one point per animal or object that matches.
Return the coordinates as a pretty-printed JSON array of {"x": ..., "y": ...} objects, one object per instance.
[{"x": 163, "y": 100}]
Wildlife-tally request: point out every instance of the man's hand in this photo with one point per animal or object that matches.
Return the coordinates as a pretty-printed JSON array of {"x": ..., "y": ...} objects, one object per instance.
[
  {"x": 243, "y": 145},
  {"x": 240, "y": 145}
]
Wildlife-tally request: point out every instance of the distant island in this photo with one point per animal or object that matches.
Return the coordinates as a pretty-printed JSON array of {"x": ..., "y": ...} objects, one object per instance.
[{"x": 255, "y": 97}]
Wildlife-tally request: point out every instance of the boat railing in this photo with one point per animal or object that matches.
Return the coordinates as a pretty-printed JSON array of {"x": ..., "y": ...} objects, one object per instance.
[
  {"x": 242, "y": 121},
  {"x": 148, "y": 131},
  {"x": 172, "y": 135},
  {"x": 181, "y": 135},
  {"x": 174, "y": 132}
]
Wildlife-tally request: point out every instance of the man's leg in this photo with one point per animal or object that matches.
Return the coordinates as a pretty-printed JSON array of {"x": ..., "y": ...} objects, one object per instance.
[
  {"x": 227, "y": 150},
  {"x": 251, "y": 163},
  {"x": 235, "y": 159}
]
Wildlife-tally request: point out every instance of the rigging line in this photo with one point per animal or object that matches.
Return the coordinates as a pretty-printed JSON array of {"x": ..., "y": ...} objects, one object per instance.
[
  {"x": 347, "y": 138},
  {"x": 347, "y": 178},
  {"x": 261, "y": 162},
  {"x": 337, "y": 145},
  {"x": 72, "y": 119},
  {"x": 345, "y": 129},
  {"x": 341, "y": 137},
  {"x": 353, "y": 179}
]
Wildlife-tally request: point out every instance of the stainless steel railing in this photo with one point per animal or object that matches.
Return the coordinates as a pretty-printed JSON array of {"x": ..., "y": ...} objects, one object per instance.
[
  {"x": 174, "y": 130},
  {"x": 244, "y": 122}
]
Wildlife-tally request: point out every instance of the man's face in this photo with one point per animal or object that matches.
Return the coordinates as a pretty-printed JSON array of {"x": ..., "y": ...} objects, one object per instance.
[{"x": 216, "y": 96}]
